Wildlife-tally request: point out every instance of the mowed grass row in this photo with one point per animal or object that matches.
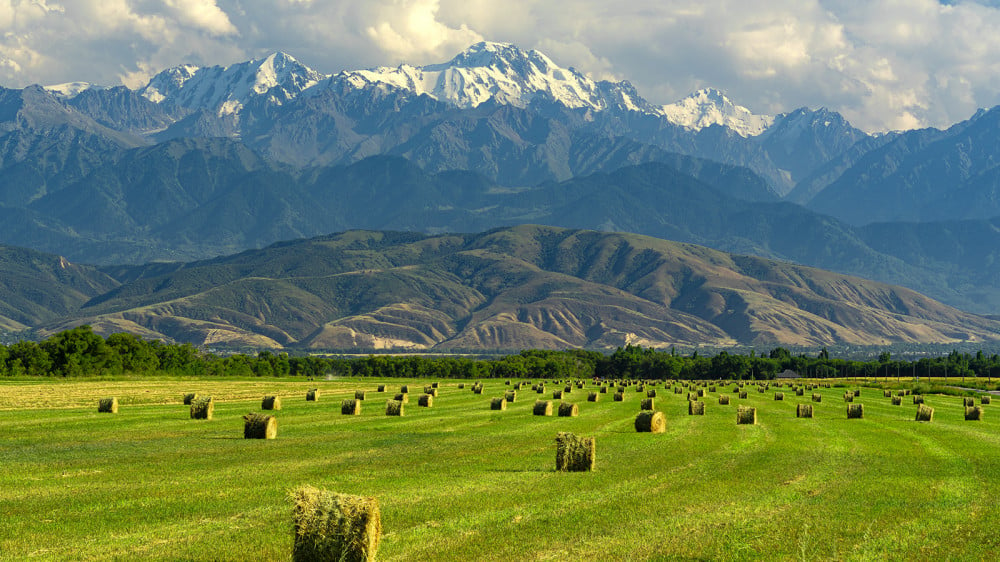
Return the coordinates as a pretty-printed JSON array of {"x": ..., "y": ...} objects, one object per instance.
[{"x": 459, "y": 481}]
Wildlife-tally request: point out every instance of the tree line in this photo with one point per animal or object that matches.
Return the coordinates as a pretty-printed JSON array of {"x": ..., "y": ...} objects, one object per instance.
[{"x": 81, "y": 352}]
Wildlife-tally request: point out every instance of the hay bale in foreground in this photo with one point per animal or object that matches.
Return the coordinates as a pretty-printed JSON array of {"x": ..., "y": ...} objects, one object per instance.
[
  {"x": 498, "y": 404},
  {"x": 401, "y": 397},
  {"x": 696, "y": 408},
  {"x": 350, "y": 407},
  {"x": 723, "y": 399},
  {"x": 108, "y": 405},
  {"x": 202, "y": 408},
  {"x": 312, "y": 395},
  {"x": 925, "y": 413},
  {"x": 394, "y": 407},
  {"x": 745, "y": 415},
  {"x": 974, "y": 413},
  {"x": 542, "y": 408},
  {"x": 855, "y": 411},
  {"x": 568, "y": 410},
  {"x": 646, "y": 404},
  {"x": 649, "y": 421},
  {"x": 427, "y": 401},
  {"x": 574, "y": 454},
  {"x": 804, "y": 411},
  {"x": 190, "y": 397},
  {"x": 259, "y": 426},
  {"x": 270, "y": 403},
  {"x": 332, "y": 526}
]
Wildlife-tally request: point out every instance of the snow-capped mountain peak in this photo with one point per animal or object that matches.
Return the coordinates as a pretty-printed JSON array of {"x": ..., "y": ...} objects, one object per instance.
[
  {"x": 227, "y": 89},
  {"x": 70, "y": 90},
  {"x": 709, "y": 106}
]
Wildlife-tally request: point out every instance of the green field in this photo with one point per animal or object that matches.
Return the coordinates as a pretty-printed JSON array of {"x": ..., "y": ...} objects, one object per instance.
[{"x": 461, "y": 482}]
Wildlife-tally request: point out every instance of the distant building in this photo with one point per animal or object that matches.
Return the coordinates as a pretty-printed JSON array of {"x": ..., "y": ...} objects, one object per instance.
[{"x": 788, "y": 374}]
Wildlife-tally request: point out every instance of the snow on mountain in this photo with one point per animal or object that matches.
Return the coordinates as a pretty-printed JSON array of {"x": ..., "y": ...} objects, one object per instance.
[
  {"x": 226, "y": 89},
  {"x": 70, "y": 90},
  {"x": 711, "y": 107},
  {"x": 501, "y": 71}
]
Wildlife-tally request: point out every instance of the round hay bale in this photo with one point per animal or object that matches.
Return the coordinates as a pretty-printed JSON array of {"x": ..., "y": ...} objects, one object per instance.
[
  {"x": 887, "y": 394},
  {"x": 723, "y": 399},
  {"x": 404, "y": 389},
  {"x": 857, "y": 392},
  {"x": 848, "y": 396},
  {"x": 498, "y": 404},
  {"x": 394, "y": 407},
  {"x": 312, "y": 395},
  {"x": 461, "y": 386},
  {"x": 619, "y": 397},
  {"x": 974, "y": 413},
  {"x": 557, "y": 394},
  {"x": 604, "y": 390},
  {"x": 817, "y": 397},
  {"x": 711, "y": 389},
  {"x": 259, "y": 426},
  {"x": 925, "y": 413},
  {"x": 896, "y": 400},
  {"x": 985, "y": 399},
  {"x": 108, "y": 405},
  {"x": 427, "y": 400},
  {"x": 542, "y": 408},
  {"x": 359, "y": 395},
  {"x": 678, "y": 390},
  {"x": 918, "y": 399},
  {"x": 593, "y": 397},
  {"x": 649, "y": 421},
  {"x": 350, "y": 407},
  {"x": 202, "y": 408},
  {"x": 400, "y": 397},
  {"x": 270, "y": 403},
  {"x": 804, "y": 411},
  {"x": 701, "y": 392},
  {"x": 855, "y": 411},
  {"x": 331, "y": 526},
  {"x": 568, "y": 389},
  {"x": 696, "y": 408},
  {"x": 435, "y": 385},
  {"x": 574, "y": 454},
  {"x": 745, "y": 415},
  {"x": 477, "y": 390},
  {"x": 190, "y": 397},
  {"x": 510, "y": 396},
  {"x": 651, "y": 393},
  {"x": 646, "y": 404},
  {"x": 568, "y": 410},
  {"x": 968, "y": 402},
  {"x": 380, "y": 388},
  {"x": 743, "y": 395},
  {"x": 540, "y": 389},
  {"x": 431, "y": 390},
  {"x": 779, "y": 395}
]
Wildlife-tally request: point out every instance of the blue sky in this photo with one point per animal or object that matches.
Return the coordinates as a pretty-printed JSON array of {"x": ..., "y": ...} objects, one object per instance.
[{"x": 883, "y": 64}]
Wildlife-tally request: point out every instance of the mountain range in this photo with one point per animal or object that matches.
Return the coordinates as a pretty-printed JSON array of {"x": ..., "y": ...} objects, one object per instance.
[{"x": 209, "y": 161}]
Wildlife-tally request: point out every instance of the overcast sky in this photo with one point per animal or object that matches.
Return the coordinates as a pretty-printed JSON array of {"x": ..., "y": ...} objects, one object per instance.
[{"x": 883, "y": 64}]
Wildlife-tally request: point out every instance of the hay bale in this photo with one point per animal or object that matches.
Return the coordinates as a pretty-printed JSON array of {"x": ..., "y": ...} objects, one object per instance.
[
  {"x": 925, "y": 413},
  {"x": 574, "y": 454},
  {"x": 461, "y": 386},
  {"x": 723, "y": 399},
  {"x": 817, "y": 397},
  {"x": 800, "y": 392},
  {"x": 312, "y": 395},
  {"x": 259, "y": 426},
  {"x": 510, "y": 396},
  {"x": 692, "y": 396},
  {"x": 855, "y": 411},
  {"x": 745, "y": 415},
  {"x": 108, "y": 405},
  {"x": 400, "y": 397},
  {"x": 857, "y": 392},
  {"x": 649, "y": 421},
  {"x": 593, "y": 397},
  {"x": 359, "y": 395},
  {"x": 896, "y": 400},
  {"x": 968, "y": 402},
  {"x": 202, "y": 408},
  {"x": 477, "y": 389},
  {"x": 804, "y": 411},
  {"x": 619, "y": 397},
  {"x": 696, "y": 408},
  {"x": 394, "y": 407},
  {"x": 887, "y": 394},
  {"x": 711, "y": 389},
  {"x": 848, "y": 396},
  {"x": 405, "y": 389},
  {"x": 678, "y": 390},
  {"x": 542, "y": 408},
  {"x": 568, "y": 410},
  {"x": 381, "y": 388},
  {"x": 646, "y": 404},
  {"x": 430, "y": 389},
  {"x": 190, "y": 397},
  {"x": 427, "y": 400},
  {"x": 498, "y": 404},
  {"x": 779, "y": 395},
  {"x": 985, "y": 399},
  {"x": 651, "y": 393},
  {"x": 557, "y": 394},
  {"x": 743, "y": 395},
  {"x": 332, "y": 526},
  {"x": 541, "y": 389},
  {"x": 604, "y": 390},
  {"x": 701, "y": 393},
  {"x": 350, "y": 407},
  {"x": 974, "y": 413},
  {"x": 918, "y": 399},
  {"x": 435, "y": 385},
  {"x": 270, "y": 403}
]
